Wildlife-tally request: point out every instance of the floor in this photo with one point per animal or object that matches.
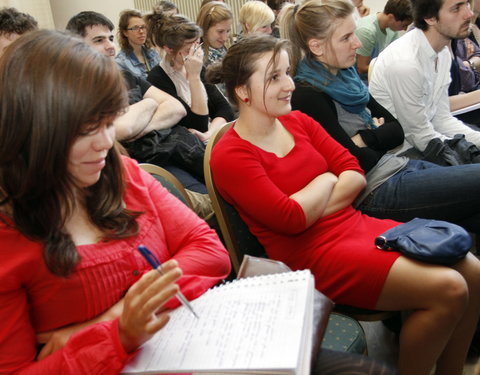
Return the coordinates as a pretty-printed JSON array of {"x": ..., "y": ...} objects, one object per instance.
[{"x": 382, "y": 345}]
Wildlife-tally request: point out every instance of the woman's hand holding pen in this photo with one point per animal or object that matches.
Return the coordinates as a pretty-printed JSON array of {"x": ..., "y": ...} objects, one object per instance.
[
  {"x": 194, "y": 61},
  {"x": 139, "y": 319}
]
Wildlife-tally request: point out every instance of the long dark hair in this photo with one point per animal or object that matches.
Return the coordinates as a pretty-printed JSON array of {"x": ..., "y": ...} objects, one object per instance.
[{"x": 62, "y": 87}]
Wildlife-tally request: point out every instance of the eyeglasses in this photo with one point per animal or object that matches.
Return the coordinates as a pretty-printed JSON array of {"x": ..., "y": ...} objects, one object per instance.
[{"x": 137, "y": 28}]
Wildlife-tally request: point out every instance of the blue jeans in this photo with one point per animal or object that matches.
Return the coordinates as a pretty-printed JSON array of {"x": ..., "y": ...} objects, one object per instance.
[
  {"x": 188, "y": 181},
  {"x": 423, "y": 189}
]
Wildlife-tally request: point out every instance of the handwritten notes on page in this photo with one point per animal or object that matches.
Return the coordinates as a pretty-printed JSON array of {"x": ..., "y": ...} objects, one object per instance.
[{"x": 260, "y": 324}]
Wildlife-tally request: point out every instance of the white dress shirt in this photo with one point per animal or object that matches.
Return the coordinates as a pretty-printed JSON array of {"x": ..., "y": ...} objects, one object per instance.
[{"x": 411, "y": 80}]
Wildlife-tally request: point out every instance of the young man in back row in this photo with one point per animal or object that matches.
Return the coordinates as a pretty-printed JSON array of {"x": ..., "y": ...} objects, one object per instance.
[
  {"x": 14, "y": 24},
  {"x": 377, "y": 31}
]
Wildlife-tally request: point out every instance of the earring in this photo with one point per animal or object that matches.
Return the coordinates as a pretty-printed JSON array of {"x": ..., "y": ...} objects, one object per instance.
[{"x": 246, "y": 100}]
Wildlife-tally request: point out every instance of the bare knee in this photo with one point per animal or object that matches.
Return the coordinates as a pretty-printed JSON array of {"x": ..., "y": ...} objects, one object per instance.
[{"x": 450, "y": 293}]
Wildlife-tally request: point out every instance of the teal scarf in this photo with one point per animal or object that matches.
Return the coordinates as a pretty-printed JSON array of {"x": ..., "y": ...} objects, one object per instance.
[{"x": 346, "y": 88}]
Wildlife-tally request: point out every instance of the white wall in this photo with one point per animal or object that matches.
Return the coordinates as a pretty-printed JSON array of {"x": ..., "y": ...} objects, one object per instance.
[
  {"x": 375, "y": 5},
  {"x": 63, "y": 10}
]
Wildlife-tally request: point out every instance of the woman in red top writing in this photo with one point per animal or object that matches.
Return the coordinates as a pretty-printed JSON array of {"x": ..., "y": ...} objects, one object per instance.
[
  {"x": 72, "y": 214},
  {"x": 294, "y": 186}
]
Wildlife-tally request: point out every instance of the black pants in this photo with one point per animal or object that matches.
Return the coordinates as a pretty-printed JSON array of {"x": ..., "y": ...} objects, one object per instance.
[{"x": 330, "y": 362}]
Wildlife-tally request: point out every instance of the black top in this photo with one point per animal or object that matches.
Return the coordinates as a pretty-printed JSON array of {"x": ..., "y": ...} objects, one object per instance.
[
  {"x": 136, "y": 86},
  {"x": 218, "y": 106},
  {"x": 321, "y": 107}
]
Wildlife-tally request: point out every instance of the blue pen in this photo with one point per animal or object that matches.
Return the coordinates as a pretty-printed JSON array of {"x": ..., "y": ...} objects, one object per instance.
[{"x": 156, "y": 265}]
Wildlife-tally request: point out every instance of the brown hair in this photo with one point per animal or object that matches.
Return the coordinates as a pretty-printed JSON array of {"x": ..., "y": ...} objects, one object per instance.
[
  {"x": 424, "y": 9},
  {"x": 314, "y": 19},
  {"x": 62, "y": 88},
  {"x": 209, "y": 15},
  {"x": 122, "y": 27},
  {"x": 400, "y": 9},
  {"x": 13, "y": 21},
  {"x": 239, "y": 63},
  {"x": 171, "y": 30}
]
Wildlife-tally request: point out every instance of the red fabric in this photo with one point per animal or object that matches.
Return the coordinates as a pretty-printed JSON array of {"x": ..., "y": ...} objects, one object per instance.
[
  {"x": 32, "y": 300},
  {"x": 338, "y": 249}
]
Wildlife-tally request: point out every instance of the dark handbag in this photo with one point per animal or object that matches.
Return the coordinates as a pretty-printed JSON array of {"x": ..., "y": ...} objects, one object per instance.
[{"x": 431, "y": 241}]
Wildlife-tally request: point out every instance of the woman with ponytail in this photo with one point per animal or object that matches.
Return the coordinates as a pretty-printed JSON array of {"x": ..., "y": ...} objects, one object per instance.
[
  {"x": 329, "y": 90},
  {"x": 180, "y": 74}
]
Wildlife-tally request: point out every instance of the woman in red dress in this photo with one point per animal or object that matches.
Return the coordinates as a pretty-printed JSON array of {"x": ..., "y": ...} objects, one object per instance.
[{"x": 294, "y": 185}]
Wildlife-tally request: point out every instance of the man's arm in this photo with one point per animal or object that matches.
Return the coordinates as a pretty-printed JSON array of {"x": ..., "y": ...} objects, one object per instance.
[
  {"x": 364, "y": 53},
  {"x": 134, "y": 121},
  {"x": 401, "y": 83},
  {"x": 464, "y": 100},
  {"x": 169, "y": 110},
  {"x": 362, "y": 63},
  {"x": 449, "y": 125}
]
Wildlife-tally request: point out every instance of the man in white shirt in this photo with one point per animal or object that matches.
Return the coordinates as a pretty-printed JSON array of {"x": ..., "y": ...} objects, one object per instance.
[{"x": 411, "y": 76}]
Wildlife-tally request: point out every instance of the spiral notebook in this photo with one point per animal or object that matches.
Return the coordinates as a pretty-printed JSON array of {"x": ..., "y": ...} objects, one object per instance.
[{"x": 255, "y": 325}]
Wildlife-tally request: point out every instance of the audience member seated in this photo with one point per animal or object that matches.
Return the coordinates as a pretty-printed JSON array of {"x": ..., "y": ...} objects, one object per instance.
[
  {"x": 293, "y": 185},
  {"x": 412, "y": 75},
  {"x": 135, "y": 54},
  {"x": 329, "y": 90},
  {"x": 276, "y": 6},
  {"x": 147, "y": 128},
  {"x": 215, "y": 19},
  {"x": 180, "y": 74},
  {"x": 256, "y": 17},
  {"x": 74, "y": 211},
  {"x": 13, "y": 24},
  {"x": 376, "y": 31},
  {"x": 465, "y": 74}
]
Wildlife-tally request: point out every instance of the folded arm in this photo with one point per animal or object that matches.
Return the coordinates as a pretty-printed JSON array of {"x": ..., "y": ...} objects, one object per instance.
[
  {"x": 133, "y": 123},
  {"x": 169, "y": 110}
]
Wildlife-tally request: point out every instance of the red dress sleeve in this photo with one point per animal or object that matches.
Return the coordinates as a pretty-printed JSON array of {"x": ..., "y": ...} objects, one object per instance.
[
  {"x": 97, "y": 349},
  {"x": 338, "y": 158},
  {"x": 245, "y": 175}
]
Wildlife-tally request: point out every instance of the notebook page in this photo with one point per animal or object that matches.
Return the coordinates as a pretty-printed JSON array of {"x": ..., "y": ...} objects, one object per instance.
[{"x": 249, "y": 324}]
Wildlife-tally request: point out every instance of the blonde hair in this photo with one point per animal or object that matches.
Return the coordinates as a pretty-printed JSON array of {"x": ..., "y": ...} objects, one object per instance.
[
  {"x": 314, "y": 19},
  {"x": 209, "y": 15},
  {"x": 255, "y": 14}
]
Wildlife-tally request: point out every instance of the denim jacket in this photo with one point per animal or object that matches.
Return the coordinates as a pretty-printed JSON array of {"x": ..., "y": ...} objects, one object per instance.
[{"x": 130, "y": 62}]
